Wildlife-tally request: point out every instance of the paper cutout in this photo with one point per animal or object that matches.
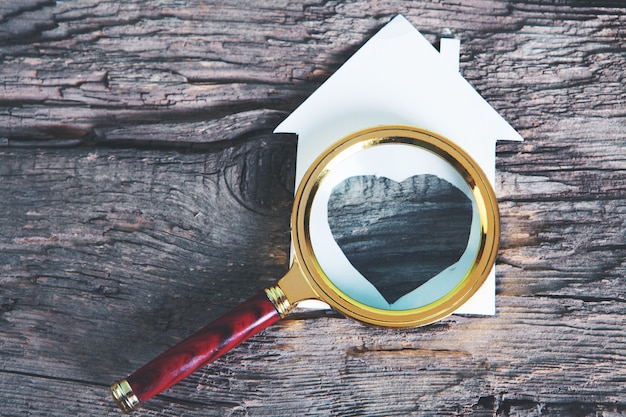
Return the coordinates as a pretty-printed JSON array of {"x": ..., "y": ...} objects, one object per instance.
[{"x": 398, "y": 77}]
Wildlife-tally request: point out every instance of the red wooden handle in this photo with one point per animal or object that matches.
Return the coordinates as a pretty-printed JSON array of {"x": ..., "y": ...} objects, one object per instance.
[{"x": 201, "y": 348}]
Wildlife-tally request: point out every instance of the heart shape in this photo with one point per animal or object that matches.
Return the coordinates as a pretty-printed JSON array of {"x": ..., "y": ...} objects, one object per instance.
[{"x": 399, "y": 235}]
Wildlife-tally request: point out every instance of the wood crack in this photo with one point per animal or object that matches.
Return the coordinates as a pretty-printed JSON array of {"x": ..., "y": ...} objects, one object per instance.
[{"x": 52, "y": 378}]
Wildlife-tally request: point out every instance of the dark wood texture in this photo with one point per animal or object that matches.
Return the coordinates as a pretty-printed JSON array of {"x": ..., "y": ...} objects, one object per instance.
[
  {"x": 143, "y": 195},
  {"x": 400, "y": 235}
]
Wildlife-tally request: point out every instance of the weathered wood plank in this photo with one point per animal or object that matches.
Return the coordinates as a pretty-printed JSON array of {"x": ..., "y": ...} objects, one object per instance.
[
  {"x": 100, "y": 228},
  {"x": 143, "y": 195},
  {"x": 99, "y": 66}
]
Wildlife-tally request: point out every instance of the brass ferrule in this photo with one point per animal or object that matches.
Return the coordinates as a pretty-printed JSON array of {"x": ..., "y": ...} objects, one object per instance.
[
  {"x": 124, "y": 396},
  {"x": 278, "y": 298}
]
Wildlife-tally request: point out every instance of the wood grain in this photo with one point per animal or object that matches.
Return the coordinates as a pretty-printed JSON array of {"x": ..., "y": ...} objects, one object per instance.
[
  {"x": 143, "y": 195},
  {"x": 399, "y": 235}
]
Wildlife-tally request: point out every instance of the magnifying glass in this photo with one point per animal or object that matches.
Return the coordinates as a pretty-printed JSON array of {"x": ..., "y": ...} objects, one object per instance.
[{"x": 393, "y": 226}]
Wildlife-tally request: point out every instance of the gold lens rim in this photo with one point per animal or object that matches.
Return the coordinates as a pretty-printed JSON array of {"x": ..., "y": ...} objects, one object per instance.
[{"x": 465, "y": 166}]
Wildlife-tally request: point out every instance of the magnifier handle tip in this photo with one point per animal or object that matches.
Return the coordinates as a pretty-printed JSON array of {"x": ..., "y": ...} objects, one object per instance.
[{"x": 198, "y": 350}]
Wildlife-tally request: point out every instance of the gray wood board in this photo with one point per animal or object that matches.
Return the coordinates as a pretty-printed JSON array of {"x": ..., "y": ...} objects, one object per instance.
[{"x": 143, "y": 195}]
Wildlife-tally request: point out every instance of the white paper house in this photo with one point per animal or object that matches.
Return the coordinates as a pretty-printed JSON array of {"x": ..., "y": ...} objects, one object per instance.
[{"x": 398, "y": 77}]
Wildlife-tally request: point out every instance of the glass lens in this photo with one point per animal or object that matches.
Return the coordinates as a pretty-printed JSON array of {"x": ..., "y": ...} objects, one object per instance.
[{"x": 394, "y": 226}]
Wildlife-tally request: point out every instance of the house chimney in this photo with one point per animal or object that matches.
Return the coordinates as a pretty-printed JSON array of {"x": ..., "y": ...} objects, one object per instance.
[{"x": 450, "y": 50}]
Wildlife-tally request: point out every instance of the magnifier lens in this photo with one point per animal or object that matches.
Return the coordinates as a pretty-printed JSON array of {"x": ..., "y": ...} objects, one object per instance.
[{"x": 396, "y": 224}]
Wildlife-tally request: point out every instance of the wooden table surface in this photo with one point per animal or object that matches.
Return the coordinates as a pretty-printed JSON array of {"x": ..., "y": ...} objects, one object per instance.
[{"x": 144, "y": 194}]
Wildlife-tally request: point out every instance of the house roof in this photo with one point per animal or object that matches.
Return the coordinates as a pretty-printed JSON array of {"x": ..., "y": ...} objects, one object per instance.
[{"x": 398, "y": 77}]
